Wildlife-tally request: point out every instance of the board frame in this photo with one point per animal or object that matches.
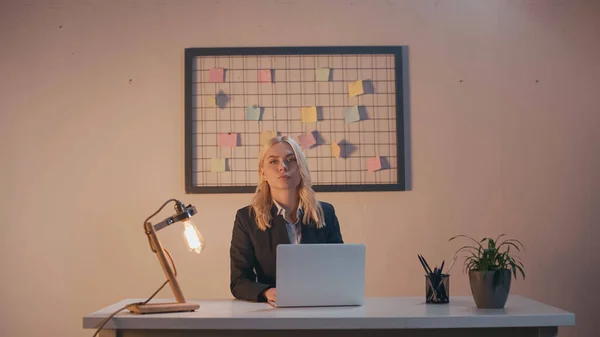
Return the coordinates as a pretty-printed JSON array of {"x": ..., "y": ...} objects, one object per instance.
[{"x": 192, "y": 53}]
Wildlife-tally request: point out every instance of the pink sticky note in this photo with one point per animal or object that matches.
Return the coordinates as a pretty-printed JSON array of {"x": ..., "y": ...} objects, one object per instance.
[
  {"x": 227, "y": 139},
  {"x": 306, "y": 140},
  {"x": 374, "y": 164},
  {"x": 216, "y": 75},
  {"x": 264, "y": 75}
]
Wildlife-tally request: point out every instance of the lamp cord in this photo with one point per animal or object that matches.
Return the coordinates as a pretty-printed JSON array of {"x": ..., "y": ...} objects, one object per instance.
[
  {"x": 139, "y": 303},
  {"x": 125, "y": 307},
  {"x": 160, "y": 209}
]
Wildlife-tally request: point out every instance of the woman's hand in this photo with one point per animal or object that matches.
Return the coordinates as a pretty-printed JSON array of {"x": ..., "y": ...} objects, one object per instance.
[{"x": 271, "y": 294}]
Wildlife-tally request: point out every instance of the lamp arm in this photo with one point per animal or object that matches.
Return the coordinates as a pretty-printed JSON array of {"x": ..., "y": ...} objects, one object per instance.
[
  {"x": 160, "y": 209},
  {"x": 162, "y": 254},
  {"x": 179, "y": 207}
]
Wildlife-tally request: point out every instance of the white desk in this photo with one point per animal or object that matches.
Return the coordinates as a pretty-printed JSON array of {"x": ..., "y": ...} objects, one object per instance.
[{"x": 399, "y": 316}]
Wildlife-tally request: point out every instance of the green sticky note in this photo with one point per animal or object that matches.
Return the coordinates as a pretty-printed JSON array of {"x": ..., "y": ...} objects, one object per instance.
[
  {"x": 322, "y": 74},
  {"x": 217, "y": 165},
  {"x": 351, "y": 114},
  {"x": 253, "y": 113}
]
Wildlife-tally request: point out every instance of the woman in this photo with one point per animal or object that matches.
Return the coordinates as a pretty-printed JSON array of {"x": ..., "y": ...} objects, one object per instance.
[{"x": 284, "y": 210}]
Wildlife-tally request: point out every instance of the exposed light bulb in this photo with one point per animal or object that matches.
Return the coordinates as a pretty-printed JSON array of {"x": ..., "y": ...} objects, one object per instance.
[{"x": 194, "y": 239}]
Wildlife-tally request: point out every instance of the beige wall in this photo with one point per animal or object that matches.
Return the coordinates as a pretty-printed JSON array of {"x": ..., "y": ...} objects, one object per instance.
[{"x": 504, "y": 127}]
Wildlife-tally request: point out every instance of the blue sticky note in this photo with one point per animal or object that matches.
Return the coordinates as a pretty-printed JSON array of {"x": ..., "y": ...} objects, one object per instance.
[
  {"x": 351, "y": 114},
  {"x": 253, "y": 113}
]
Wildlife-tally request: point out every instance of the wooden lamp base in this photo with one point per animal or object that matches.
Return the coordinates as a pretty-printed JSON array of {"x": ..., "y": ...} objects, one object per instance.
[{"x": 155, "y": 308}]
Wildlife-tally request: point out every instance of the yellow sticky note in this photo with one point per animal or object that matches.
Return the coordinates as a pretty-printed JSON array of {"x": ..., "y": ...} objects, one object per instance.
[
  {"x": 212, "y": 101},
  {"x": 266, "y": 135},
  {"x": 356, "y": 88},
  {"x": 322, "y": 74},
  {"x": 335, "y": 150},
  {"x": 217, "y": 165},
  {"x": 309, "y": 114}
]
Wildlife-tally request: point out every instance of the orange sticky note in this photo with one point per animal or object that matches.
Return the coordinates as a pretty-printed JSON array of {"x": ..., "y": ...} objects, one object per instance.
[
  {"x": 309, "y": 114},
  {"x": 227, "y": 139},
  {"x": 264, "y": 75},
  {"x": 265, "y": 136},
  {"x": 356, "y": 88},
  {"x": 335, "y": 150},
  {"x": 374, "y": 164},
  {"x": 307, "y": 140},
  {"x": 216, "y": 75}
]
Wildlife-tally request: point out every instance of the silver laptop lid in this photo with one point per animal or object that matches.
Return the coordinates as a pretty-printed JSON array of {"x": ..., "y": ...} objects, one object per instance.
[{"x": 320, "y": 274}]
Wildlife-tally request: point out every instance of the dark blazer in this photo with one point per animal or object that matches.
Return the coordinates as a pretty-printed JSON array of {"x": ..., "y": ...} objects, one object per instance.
[{"x": 253, "y": 251}]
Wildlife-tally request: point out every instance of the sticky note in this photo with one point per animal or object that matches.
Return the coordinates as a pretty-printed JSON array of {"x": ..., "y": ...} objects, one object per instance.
[
  {"x": 264, "y": 75},
  {"x": 227, "y": 139},
  {"x": 351, "y": 114},
  {"x": 217, "y": 165},
  {"x": 253, "y": 113},
  {"x": 322, "y": 74},
  {"x": 309, "y": 114},
  {"x": 307, "y": 140},
  {"x": 356, "y": 88},
  {"x": 374, "y": 164},
  {"x": 265, "y": 136},
  {"x": 216, "y": 75},
  {"x": 221, "y": 99},
  {"x": 336, "y": 150}
]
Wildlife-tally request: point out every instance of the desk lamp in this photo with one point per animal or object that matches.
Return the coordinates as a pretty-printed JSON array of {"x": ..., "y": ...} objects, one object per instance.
[{"x": 195, "y": 242}]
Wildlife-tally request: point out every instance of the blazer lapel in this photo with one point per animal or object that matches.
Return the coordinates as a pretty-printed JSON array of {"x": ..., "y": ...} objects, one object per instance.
[
  {"x": 278, "y": 231},
  {"x": 308, "y": 233}
]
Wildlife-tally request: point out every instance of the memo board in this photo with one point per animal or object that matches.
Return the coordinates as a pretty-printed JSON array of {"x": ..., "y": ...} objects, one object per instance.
[{"x": 343, "y": 105}]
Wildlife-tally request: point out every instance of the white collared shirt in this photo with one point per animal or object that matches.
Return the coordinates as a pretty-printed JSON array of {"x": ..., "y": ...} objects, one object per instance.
[{"x": 294, "y": 229}]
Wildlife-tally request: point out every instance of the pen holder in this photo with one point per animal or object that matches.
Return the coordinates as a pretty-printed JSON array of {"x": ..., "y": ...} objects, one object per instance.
[{"x": 437, "y": 289}]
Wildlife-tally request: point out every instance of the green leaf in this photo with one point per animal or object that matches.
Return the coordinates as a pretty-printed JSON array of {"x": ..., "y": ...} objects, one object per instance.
[
  {"x": 517, "y": 241},
  {"x": 511, "y": 244},
  {"x": 499, "y": 236},
  {"x": 491, "y": 244},
  {"x": 465, "y": 248},
  {"x": 464, "y": 236}
]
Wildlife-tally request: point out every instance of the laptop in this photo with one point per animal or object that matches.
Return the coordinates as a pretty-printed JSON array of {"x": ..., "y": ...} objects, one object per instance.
[{"x": 315, "y": 275}]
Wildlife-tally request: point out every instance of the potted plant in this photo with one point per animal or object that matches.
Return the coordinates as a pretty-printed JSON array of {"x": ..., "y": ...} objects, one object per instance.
[{"x": 490, "y": 269}]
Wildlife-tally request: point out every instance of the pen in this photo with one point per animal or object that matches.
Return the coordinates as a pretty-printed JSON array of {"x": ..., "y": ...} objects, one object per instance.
[{"x": 423, "y": 264}]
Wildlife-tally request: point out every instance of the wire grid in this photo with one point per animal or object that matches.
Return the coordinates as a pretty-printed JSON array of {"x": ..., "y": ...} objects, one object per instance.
[{"x": 293, "y": 86}]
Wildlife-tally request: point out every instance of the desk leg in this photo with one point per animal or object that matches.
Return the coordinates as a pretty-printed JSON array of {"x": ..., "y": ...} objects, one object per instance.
[
  {"x": 108, "y": 333},
  {"x": 551, "y": 331}
]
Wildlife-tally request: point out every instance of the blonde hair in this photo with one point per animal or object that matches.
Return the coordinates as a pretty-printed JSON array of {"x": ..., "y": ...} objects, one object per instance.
[{"x": 262, "y": 202}]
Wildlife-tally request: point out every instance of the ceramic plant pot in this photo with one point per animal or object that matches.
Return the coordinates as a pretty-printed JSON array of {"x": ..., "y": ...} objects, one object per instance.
[{"x": 490, "y": 289}]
